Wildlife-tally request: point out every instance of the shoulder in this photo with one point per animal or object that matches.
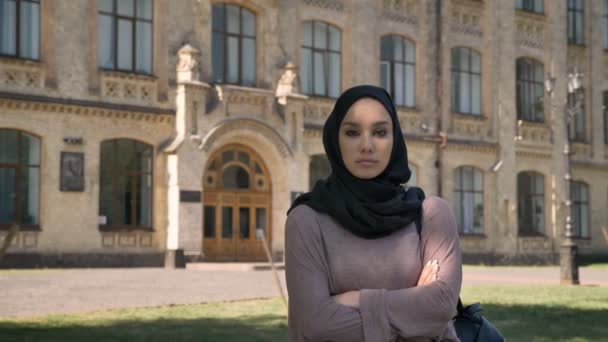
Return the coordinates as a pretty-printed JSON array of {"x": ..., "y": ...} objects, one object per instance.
[
  {"x": 438, "y": 216},
  {"x": 302, "y": 220},
  {"x": 433, "y": 206}
]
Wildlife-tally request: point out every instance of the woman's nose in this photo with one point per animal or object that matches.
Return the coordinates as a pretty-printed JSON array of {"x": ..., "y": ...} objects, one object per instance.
[{"x": 367, "y": 144}]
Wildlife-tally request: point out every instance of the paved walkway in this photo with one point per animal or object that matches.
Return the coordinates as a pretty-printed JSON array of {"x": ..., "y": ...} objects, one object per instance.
[{"x": 33, "y": 293}]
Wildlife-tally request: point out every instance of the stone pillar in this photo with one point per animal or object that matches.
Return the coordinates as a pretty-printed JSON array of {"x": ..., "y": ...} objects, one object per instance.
[{"x": 184, "y": 164}]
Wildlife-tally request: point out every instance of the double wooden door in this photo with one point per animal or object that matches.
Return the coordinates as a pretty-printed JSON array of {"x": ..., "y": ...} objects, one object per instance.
[{"x": 231, "y": 219}]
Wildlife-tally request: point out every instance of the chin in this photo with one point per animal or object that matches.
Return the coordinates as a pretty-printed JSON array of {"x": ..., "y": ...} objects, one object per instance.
[{"x": 366, "y": 174}]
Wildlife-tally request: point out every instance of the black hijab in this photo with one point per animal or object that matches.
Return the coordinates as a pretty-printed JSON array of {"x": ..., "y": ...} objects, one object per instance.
[{"x": 369, "y": 208}]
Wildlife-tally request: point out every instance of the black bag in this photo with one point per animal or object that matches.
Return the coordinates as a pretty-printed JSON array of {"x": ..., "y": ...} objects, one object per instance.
[{"x": 472, "y": 327}]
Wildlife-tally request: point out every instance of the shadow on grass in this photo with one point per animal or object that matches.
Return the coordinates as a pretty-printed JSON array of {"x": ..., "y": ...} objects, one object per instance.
[
  {"x": 534, "y": 323},
  {"x": 258, "y": 328}
]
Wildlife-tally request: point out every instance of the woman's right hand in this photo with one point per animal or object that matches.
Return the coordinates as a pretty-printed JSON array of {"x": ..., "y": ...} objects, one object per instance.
[{"x": 429, "y": 273}]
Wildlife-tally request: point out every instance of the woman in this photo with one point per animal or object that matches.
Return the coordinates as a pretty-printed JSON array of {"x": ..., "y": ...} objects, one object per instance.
[{"x": 356, "y": 267}]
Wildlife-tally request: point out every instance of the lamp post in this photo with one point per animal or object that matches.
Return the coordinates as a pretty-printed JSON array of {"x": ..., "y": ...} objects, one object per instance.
[{"x": 568, "y": 249}]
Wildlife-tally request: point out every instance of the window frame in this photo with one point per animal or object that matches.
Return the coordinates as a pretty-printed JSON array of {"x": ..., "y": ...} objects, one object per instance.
[
  {"x": 605, "y": 111},
  {"x": 326, "y": 52},
  {"x": 530, "y": 84},
  {"x": 224, "y": 35},
  {"x": 133, "y": 21},
  {"x": 605, "y": 25},
  {"x": 471, "y": 73},
  {"x": 573, "y": 14},
  {"x": 392, "y": 61},
  {"x": 115, "y": 191},
  {"x": 19, "y": 167},
  {"x": 577, "y": 204},
  {"x": 459, "y": 194},
  {"x": 17, "y": 28},
  {"x": 530, "y": 6},
  {"x": 530, "y": 195}
]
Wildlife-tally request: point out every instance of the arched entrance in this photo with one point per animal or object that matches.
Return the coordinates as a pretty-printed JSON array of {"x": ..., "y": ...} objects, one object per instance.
[{"x": 237, "y": 197}]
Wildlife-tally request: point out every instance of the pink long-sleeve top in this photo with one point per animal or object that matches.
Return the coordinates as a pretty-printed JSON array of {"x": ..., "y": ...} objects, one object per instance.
[{"x": 323, "y": 259}]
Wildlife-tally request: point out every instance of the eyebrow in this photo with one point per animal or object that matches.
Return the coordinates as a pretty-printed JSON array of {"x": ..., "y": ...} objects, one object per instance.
[{"x": 378, "y": 123}]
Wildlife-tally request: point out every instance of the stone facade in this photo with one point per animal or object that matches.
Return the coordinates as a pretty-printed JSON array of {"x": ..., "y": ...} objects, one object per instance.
[{"x": 187, "y": 118}]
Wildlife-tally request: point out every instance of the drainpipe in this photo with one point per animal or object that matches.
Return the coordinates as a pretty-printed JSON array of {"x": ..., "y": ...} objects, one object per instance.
[
  {"x": 186, "y": 73},
  {"x": 442, "y": 141}
]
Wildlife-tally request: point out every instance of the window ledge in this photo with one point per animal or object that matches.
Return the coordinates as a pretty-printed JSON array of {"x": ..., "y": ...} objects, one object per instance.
[
  {"x": 578, "y": 238},
  {"x": 22, "y": 228},
  {"x": 533, "y": 235},
  {"x": 467, "y": 116},
  {"x": 123, "y": 74},
  {"x": 118, "y": 229},
  {"x": 531, "y": 14},
  {"x": 250, "y": 89},
  {"x": 21, "y": 74}
]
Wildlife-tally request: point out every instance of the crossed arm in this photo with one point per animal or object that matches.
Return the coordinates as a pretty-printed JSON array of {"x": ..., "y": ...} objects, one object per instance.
[{"x": 372, "y": 314}]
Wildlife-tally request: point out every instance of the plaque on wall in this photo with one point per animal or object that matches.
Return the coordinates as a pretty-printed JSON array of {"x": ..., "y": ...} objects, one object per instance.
[
  {"x": 190, "y": 196},
  {"x": 72, "y": 171}
]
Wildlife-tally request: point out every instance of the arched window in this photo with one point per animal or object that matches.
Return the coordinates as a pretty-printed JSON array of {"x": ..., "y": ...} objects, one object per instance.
[
  {"x": 468, "y": 199},
  {"x": 125, "y": 195},
  {"x": 19, "y": 179},
  {"x": 233, "y": 45},
  {"x": 531, "y": 203},
  {"x": 398, "y": 69},
  {"x": 320, "y": 59},
  {"x": 530, "y": 90},
  {"x": 579, "y": 211},
  {"x": 319, "y": 168},
  {"x": 466, "y": 81}
]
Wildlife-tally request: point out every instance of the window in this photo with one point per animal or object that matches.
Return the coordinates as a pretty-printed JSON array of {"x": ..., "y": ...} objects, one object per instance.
[
  {"x": 397, "y": 69},
  {"x": 320, "y": 59},
  {"x": 576, "y": 23},
  {"x": 20, "y": 28},
  {"x": 605, "y": 110},
  {"x": 125, "y": 35},
  {"x": 319, "y": 168},
  {"x": 530, "y": 5},
  {"x": 579, "y": 211},
  {"x": 19, "y": 178},
  {"x": 576, "y": 129},
  {"x": 125, "y": 196},
  {"x": 531, "y": 203},
  {"x": 233, "y": 45},
  {"x": 530, "y": 90},
  {"x": 466, "y": 81},
  {"x": 605, "y": 22},
  {"x": 468, "y": 199}
]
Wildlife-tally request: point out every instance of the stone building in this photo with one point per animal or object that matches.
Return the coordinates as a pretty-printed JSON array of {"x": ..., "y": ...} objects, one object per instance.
[{"x": 132, "y": 131}]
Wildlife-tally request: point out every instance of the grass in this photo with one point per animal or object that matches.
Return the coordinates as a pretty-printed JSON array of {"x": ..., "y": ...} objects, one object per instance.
[{"x": 523, "y": 313}]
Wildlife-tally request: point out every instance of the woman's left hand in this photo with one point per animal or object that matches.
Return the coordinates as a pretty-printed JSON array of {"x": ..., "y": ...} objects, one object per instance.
[{"x": 350, "y": 298}]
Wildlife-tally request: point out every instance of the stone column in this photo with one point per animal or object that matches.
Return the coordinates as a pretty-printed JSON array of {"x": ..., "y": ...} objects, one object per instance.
[{"x": 184, "y": 164}]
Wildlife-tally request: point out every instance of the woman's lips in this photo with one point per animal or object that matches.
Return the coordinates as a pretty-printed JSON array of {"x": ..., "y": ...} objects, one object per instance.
[{"x": 366, "y": 162}]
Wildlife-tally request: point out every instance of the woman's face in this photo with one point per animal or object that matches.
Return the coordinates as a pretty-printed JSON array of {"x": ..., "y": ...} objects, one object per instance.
[{"x": 366, "y": 138}]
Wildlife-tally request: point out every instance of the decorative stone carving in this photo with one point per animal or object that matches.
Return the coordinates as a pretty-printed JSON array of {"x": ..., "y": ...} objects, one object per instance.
[
  {"x": 336, "y": 5},
  {"x": 534, "y": 245},
  {"x": 535, "y": 133},
  {"x": 469, "y": 126},
  {"x": 22, "y": 240},
  {"x": 582, "y": 151},
  {"x": 317, "y": 110},
  {"x": 403, "y": 11},
  {"x": 128, "y": 88},
  {"x": 465, "y": 18},
  {"x": 530, "y": 32},
  {"x": 411, "y": 122},
  {"x": 187, "y": 65},
  {"x": 21, "y": 75},
  {"x": 127, "y": 240},
  {"x": 285, "y": 86}
]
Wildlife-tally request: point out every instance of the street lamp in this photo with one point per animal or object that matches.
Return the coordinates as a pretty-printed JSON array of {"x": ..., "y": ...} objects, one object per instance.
[{"x": 568, "y": 248}]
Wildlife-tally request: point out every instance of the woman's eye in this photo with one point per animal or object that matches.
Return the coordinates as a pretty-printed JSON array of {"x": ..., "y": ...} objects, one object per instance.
[
  {"x": 351, "y": 133},
  {"x": 381, "y": 132}
]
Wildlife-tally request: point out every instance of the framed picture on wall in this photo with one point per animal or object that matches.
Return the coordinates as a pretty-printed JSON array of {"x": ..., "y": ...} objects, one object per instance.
[{"x": 72, "y": 171}]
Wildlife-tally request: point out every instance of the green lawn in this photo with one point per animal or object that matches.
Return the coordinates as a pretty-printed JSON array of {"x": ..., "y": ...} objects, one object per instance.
[{"x": 523, "y": 313}]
